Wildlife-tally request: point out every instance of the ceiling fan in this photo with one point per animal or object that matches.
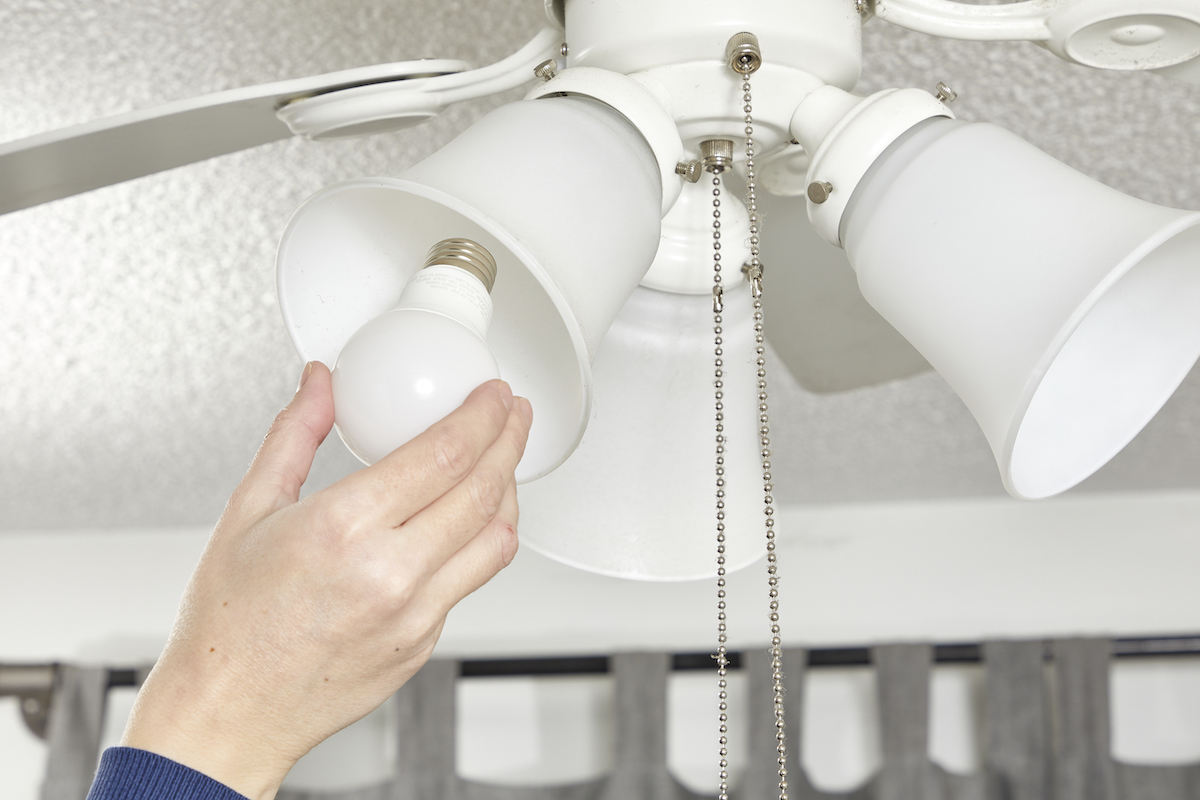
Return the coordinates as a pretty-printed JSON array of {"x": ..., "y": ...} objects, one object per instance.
[{"x": 661, "y": 66}]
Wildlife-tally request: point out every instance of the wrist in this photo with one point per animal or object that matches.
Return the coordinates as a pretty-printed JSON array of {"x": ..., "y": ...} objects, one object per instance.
[{"x": 195, "y": 726}]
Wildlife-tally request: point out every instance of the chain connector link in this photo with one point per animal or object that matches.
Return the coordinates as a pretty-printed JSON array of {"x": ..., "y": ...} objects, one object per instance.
[
  {"x": 754, "y": 274},
  {"x": 718, "y": 300}
]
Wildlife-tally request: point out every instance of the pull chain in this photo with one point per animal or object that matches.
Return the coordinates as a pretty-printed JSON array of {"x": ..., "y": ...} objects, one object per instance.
[
  {"x": 755, "y": 275},
  {"x": 719, "y": 386},
  {"x": 744, "y": 57}
]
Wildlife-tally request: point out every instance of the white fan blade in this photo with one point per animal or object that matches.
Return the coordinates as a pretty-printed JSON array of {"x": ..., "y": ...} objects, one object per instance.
[
  {"x": 61, "y": 163},
  {"x": 816, "y": 319},
  {"x": 1188, "y": 71},
  {"x": 359, "y": 101}
]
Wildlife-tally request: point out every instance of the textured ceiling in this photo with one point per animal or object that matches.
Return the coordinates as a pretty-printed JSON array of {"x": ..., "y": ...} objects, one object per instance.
[{"x": 141, "y": 351}]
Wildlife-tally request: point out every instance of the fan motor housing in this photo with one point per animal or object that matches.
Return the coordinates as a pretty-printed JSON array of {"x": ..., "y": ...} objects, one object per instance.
[{"x": 820, "y": 37}]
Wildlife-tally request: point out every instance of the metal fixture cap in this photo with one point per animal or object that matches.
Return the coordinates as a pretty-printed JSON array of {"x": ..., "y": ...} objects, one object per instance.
[
  {"x": 819, "y": 191},
  {"x": 466, "y": 255},
  {"x": 717, "y": 154},
  {"x": 742, "y": 53}
]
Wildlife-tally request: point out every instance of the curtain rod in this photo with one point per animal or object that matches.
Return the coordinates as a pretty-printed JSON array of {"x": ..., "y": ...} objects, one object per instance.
[
  {"x": 815, "y": 657},
  {"x": 25, "y": 679}
]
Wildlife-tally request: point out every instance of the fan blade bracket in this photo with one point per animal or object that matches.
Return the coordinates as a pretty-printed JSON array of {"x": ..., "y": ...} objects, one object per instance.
[
  {"x": 379, "y": 107},
  {"x": 394, "y": 104}
]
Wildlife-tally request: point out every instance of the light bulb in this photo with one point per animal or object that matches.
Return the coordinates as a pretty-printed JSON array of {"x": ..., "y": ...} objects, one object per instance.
[{"x": 410, "y": 366}]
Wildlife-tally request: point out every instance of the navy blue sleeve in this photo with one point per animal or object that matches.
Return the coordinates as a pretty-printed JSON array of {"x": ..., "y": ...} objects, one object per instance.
[{"x": 129, "y": 774}]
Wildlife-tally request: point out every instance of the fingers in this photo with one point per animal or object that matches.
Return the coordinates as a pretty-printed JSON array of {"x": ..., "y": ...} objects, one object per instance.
[
  {"x": 476, "y": 562},
  {"x": 283, "y": 460},
  {"x": 434, "y": 534},
  {"x": 421, "y": 471}
]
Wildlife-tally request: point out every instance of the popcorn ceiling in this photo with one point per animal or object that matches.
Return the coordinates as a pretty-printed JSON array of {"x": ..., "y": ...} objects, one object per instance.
[{"x": 141, "y": 346}]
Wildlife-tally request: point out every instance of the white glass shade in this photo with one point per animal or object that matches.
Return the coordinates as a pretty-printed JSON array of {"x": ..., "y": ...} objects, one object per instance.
[
  {"x": 655, "y": 416},
  {"x": 402, "y": 372},
  {"x": 566, "y": 196},
  {"x": 1063, "y": 312}
]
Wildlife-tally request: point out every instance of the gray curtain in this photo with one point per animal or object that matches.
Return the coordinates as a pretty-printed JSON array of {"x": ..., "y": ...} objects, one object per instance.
[
  {"x": 73, "y": 733},
  {"x": 1023, "y": 760}
]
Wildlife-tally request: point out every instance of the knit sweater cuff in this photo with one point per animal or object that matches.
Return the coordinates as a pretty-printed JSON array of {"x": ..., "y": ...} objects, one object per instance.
[{"x": 126, "y": 773}]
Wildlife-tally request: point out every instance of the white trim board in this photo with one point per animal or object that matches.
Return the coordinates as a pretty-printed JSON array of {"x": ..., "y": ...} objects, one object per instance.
[{"x": 966, "y": 570}]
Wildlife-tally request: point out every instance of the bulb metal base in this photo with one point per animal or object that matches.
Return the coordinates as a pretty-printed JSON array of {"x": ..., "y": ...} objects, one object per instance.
[{"x": 466, "y": 255}]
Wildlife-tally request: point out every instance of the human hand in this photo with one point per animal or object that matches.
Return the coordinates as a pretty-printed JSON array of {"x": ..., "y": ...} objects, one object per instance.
[{"x": 303, "y": 616}]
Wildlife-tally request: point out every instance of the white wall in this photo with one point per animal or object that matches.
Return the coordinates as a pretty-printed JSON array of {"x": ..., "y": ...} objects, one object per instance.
[{"x": 961, "y": 571}]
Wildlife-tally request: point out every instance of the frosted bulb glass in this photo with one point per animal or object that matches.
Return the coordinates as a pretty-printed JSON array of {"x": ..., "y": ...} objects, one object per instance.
[{"x": 409, "y": 367}]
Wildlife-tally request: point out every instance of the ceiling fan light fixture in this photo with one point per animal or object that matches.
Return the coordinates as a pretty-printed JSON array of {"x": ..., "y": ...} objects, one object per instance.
[
  {"x": 1062, "y": 311},
  {"x": 822, "y": 38},
  {"x": 564, "y": 193},
  {"x": 845, "y": 134}
]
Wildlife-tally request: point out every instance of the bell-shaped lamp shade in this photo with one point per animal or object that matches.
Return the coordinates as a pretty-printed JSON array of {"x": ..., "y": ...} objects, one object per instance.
[
  {"x": 654, "y": 416},
  {"x": 563, "y": 192},
  {"x": 1063, "y": 312}
]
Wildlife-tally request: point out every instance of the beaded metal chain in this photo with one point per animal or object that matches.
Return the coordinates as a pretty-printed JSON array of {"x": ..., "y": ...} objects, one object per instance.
[
  {"x": 719, "y": 384},
  {"x": 744, "y": 58}
]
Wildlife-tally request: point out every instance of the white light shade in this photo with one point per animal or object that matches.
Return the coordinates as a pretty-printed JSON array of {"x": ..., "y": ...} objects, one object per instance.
[
  {"x": 655, "y": 416},
  {"x": 1063, "y": 312},
  {"x": 566, "y": 196}
]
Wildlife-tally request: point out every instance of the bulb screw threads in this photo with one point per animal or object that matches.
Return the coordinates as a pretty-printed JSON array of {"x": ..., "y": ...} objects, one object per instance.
[
  {"x": 466, "y": 255},
  {"x": 742, "y": 53},
  {"x": 717, "y": 154}
]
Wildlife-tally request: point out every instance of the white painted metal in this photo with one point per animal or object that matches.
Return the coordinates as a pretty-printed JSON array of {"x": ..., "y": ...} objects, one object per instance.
[
  {"x": 820, "y": 37},
  {"x": 676, "y": 50},
  {"x": 1188, "y": 72},
  {"x": 377, "y": 107},
  {"x": 705, "y": 100},
  {"x": 684, "y": 261},
  {"x": 952, "y": 20},
  {"x": 1105, "y": 34},
  {"x": 846, "y": 134}
]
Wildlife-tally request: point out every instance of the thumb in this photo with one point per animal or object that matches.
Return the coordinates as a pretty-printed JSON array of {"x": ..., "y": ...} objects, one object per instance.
[{"x": 283, "y": 460}]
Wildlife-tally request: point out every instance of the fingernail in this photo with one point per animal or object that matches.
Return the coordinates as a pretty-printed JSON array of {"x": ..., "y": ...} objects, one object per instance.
[
  {"x": 506, "y": 394},
  {"x": 304, "y": 376},
  {"x": 526, "y": 410}
]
